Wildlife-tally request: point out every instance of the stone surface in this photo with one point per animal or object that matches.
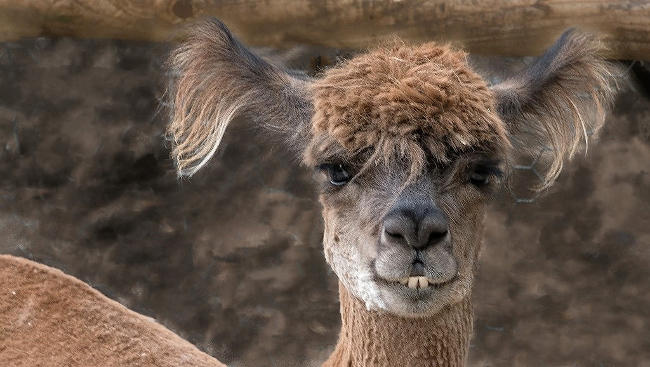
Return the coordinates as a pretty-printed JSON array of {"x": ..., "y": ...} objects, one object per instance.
[{"x": 231, "y": 259}]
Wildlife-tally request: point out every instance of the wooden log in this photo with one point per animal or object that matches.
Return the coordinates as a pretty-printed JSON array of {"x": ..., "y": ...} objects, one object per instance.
[{"x": 505, "y": 27}]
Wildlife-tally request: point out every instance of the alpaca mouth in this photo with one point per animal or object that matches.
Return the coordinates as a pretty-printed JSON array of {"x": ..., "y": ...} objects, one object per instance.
[
  {"x": 418, "y": 279},
  {"x": 421, "y": 282},
  {"x": 424, "y": 275}
]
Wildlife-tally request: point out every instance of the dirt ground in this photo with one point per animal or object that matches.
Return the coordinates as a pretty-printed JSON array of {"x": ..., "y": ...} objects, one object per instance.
[{"x": 231, "y": 260}]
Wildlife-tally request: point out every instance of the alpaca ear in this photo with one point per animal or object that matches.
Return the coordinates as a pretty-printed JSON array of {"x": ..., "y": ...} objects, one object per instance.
[
  {"x": 558, "y": 101},
  {"x": 214, "y": 78}
]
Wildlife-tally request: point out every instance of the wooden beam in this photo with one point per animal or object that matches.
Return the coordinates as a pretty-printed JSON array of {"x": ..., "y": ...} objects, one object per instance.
[{"x": 505, "y": 27}]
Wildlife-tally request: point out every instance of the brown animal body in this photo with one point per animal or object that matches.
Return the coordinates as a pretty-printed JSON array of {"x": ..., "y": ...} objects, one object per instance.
[
  {"x": 51, "y": 319},
  {"x": 409, "y": 145}
]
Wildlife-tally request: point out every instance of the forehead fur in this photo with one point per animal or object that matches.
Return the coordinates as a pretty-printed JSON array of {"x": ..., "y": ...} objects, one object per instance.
[{"x": 403, "y": 100}]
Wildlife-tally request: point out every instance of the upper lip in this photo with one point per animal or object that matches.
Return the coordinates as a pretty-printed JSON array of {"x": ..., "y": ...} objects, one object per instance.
[{"x": 419, "y": 275}]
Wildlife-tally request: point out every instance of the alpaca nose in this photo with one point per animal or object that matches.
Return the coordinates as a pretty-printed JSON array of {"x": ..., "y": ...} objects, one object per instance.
[{"x": 417, "y": 228}]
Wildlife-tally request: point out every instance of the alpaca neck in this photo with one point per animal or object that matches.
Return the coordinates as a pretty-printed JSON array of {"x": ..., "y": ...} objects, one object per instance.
[{"x": 371, "y": 338}]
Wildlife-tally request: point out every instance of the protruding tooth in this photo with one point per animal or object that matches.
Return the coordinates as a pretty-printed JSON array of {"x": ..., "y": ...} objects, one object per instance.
[
  {"x": 423, "y": 282},
  {"x": 413, "y": 282},
  {"x": 404, "y": 281}
]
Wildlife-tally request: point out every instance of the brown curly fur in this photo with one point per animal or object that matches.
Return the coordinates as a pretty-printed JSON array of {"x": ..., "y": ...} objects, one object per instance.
[{"x": 411, "y": 102}]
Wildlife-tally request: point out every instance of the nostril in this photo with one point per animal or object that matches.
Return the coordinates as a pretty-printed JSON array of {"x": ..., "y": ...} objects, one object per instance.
[
  {"x": 436, "y": 235},
  {"x": 398, "y": 228},
  {"x": 393, "y": 234},
  {"x": 433, "y": 229}
]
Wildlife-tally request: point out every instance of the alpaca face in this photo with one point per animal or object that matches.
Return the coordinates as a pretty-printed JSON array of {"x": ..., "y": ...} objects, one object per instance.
[
  {"x": 407, "y": 146},
  {"x": 409, "y": 248},
  {"x": 408, "y": 143}
]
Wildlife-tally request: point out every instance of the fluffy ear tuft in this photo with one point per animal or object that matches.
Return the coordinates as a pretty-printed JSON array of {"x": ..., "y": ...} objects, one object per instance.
[
  {"x": 558, "y": 101},
  {"x": 215, "y": 78}
]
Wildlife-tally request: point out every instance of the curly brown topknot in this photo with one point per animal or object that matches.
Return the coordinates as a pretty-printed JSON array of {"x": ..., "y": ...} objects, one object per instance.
[{"x": 406, "y": 100}]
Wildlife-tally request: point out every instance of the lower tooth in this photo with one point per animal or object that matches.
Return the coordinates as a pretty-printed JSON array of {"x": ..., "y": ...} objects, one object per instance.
[
  {"x": 413, "y": 282},
  {"x": 423, "y": 282}
]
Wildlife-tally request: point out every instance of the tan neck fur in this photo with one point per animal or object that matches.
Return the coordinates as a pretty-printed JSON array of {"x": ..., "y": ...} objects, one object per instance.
[{"x": 378, "y": 339}]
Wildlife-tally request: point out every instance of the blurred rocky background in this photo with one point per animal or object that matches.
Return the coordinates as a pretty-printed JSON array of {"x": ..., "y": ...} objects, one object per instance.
[{"x": 231, "y": 259}]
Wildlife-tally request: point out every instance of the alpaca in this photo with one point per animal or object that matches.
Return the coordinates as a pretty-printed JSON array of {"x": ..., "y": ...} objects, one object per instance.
[
  {"x": 409, "y": 144},
  {"x": 49, "y": 318}
]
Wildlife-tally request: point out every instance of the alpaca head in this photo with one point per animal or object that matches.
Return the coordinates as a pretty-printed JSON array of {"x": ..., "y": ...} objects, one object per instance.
[{"x": 408, "y": 144}]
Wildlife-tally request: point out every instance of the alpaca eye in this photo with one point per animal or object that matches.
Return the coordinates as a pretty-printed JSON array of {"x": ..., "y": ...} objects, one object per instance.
[
  {"x": 479, "y": 179},
  {"x": 482, "y": 174},
  {"x": 338, "y": 176}
]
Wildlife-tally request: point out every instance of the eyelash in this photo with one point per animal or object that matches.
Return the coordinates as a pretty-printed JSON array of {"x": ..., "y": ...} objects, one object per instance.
[
  {"x": 336, "y": 172},
  {"x": 479, "y": 175}
]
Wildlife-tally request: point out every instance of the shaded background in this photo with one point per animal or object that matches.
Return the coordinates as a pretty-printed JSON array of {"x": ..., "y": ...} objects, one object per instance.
[{"x": 231, "y": 260}]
